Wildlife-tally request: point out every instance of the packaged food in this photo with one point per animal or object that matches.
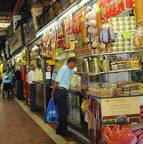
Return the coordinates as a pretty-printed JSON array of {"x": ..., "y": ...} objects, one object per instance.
[
  {"x": 139, "y": 10},
  {"x": 139, "y": 37},
  {"x": 106, "y": 34}
]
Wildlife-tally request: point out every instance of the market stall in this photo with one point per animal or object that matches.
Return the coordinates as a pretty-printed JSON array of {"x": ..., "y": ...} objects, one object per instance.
[{"x": 106, "y": 39}]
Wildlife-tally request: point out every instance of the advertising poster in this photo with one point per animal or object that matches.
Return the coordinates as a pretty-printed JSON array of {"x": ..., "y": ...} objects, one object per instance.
[{"x": 121, "y": 121}]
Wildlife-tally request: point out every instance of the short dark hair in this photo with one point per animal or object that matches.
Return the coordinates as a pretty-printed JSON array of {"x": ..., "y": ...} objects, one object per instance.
[{"x": 72, "y": 59}]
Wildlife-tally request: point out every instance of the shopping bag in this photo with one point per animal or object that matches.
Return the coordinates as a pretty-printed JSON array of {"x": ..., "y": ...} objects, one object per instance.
[{"x": 51, "y": 115}]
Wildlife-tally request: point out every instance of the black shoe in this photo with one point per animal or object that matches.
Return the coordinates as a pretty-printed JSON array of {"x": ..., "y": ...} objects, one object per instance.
[
  {"x": 36, "y": 110},
  {"x": 66, "y": 134}
]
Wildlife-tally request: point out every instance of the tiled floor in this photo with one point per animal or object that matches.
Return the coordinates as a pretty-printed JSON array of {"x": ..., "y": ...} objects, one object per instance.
[{"x": 20, "y": 126}]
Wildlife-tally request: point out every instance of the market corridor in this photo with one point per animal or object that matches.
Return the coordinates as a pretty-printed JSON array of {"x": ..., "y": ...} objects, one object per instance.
[{"x": 17, "y": 127}]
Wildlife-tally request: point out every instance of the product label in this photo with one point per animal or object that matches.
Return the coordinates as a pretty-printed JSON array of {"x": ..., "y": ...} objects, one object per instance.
[
  {"x": 121, "y": 106},
  {"x": 126, "y": 34}
]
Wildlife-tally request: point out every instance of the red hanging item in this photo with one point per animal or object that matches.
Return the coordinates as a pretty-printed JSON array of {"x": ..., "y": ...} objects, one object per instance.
[
  {"x": 23, "y": 74},
  {"x": 110, "y": 8}
]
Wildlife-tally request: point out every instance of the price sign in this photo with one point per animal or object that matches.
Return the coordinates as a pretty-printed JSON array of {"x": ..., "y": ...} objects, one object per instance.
[{"x": 126, "y": 35}]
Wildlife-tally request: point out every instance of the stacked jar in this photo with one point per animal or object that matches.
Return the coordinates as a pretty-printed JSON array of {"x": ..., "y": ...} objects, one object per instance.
[{"x": 120, "y": 25}]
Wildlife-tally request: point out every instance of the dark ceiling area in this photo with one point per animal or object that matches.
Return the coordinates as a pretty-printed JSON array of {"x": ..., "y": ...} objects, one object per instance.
[{"x": 8, "y": 8}]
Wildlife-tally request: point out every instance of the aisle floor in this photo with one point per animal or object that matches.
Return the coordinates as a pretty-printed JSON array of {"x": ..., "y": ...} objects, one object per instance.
[{"x": 18, "y": 125}]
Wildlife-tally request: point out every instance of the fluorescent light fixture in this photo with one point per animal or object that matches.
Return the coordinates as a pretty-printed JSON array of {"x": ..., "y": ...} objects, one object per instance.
[
  {"x": 83, "y": 2},
  {"x": 4, "y": 25},
  {"x": 18, "y": 55},
  {"x": 46, "y": 28},
  {"x": 35, "y": 47}
]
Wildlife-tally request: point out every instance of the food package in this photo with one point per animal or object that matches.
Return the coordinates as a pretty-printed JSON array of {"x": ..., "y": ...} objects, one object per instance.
[
  {"x": 75, "y": 83},
  {"x": 106, "y": 34},
  {"x": 139, "y": 10},
  {"x": 84, "y": 106},
  {"x": 139, "y": 37},
  {"x": 101, "y": 92}
]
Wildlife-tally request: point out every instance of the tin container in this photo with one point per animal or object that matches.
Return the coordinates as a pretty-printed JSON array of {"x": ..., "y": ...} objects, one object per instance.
[
  {"x": 115, "y": 49},
  {"x": 126, "y": 43},
  {"x": 127, "y": 48},
  {"x": 122, "y": 28}
]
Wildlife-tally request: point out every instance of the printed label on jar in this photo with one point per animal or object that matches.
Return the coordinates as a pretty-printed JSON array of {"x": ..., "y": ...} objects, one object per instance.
[
  {"x": 121, "y": 49},
  {"x": 127, "y": 48},
  {"x": 115, "y": 49},
  {"x": 121, "y": 44}
]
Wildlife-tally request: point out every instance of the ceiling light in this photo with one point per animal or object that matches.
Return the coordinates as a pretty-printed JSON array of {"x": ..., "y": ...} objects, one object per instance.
[
  {"x": 46, "y": 28},
  {"x": 4, "y": 25},
  {"x": 83, "y": 2}
]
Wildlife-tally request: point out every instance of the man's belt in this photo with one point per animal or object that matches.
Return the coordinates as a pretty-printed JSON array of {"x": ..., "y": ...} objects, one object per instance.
[{"x": 62, "y": 88}]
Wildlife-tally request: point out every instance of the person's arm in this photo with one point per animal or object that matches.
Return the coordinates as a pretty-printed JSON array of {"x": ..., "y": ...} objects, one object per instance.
[
  {"x": 54, "y": 87},
  {"x": 78, "y": 73},
  {"x": 59, "y": 77}
]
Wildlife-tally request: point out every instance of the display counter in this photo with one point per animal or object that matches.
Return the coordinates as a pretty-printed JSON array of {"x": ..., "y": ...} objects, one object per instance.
[
  {"x": 40, "y": 95},
  {"x": 76, "y": 117},
  {"x": 26, "y": 91},
  {"x": 74, "y": 103},
  {"x": 114, "y": 119}
]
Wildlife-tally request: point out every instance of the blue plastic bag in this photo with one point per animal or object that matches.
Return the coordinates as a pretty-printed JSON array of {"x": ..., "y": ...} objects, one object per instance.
[{"x": 51, "y": 115}]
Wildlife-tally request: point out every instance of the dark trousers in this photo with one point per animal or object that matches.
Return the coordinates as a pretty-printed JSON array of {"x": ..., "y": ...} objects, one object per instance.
[
  {"x": 60, "y": 97},
  {"x": 19, "y": 89},
  {"x": 6, "y": 87},
  {"x": 32, "y": 96}
]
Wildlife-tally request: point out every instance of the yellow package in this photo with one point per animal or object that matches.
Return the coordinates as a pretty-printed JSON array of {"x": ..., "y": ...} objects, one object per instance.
[
  {"x": 139, "y": 11},
  {"x": 84, "y": 106}
]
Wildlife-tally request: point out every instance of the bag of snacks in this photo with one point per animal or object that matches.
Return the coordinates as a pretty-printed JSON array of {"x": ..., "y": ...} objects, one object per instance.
[{"x": 139, "y": 37}]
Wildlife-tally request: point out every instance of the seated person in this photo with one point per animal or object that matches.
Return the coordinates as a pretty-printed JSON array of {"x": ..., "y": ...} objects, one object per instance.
[{"x": 6, "y": 83}]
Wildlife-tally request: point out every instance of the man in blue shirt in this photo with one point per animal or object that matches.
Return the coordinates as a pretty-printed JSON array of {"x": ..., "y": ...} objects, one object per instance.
[{"x": 60, "y": 92}]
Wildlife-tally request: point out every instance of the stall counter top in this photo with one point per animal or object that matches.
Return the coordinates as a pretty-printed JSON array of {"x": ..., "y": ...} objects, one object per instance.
[{"x": 113, "y": 96}]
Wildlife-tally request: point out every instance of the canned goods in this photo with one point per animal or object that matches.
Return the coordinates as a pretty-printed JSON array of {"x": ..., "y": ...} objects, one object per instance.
[
  {"x": 132, "y": 42},
  {"x": 115, "y": 44},
  {"x": 115, "y": 24},
  {"x": 126, "y": 43},
  {"x": 132, "y": 35},
  {"x": 127, "y": 28},
  {"x": 121, "y": 19},
  {"x": 120, "y": 39},
  {"x": 121, "y": 44},
  {"x": 115, "y": 49},
  {"x": 132, "y": 48},
  {"x": 127, "y": 23},
  {"x": 116, "y": 29},
  {"x": 133, "y": 27},
  {"x": 115, "y": 19},
  {"x": 126, "y": 19},
  {"x": 127, "y": 48},
  {"x": 121, "y": 28},
  {"x": 121, "y": 49},
  {"x": 132, "y": 18},
  {"x": 121, "y": 23}
]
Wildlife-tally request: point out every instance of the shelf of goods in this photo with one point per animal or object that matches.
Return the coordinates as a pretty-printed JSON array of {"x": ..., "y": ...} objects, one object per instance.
[
  {"x": 108, "y": 55},
  {"x": 126, "y": 70},
  {"x": 114, "y": 98},
  {"x": 112, "y": 53}
]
